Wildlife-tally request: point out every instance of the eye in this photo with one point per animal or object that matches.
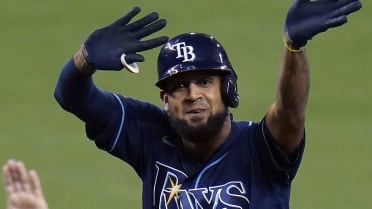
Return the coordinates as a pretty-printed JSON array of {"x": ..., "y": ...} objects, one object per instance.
[
  {"x": 177, "y": 86},
  {"x": 205, "y": 81}
]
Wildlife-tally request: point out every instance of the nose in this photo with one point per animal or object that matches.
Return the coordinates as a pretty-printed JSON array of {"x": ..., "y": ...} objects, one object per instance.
[{"x": 194, "y": 92}]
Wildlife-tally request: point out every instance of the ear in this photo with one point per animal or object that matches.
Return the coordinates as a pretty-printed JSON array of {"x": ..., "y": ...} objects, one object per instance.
[{"x": 164, "y": 99}]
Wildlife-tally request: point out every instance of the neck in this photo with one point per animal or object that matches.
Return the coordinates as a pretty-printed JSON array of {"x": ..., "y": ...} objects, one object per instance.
[{"x": 202, "y": 148}]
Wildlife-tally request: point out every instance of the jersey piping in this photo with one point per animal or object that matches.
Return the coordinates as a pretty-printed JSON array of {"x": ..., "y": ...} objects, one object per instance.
[{"x": 121, "y": 124}]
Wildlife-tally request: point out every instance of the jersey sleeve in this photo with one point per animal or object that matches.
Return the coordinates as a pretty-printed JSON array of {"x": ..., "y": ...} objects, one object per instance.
[
  {"x": 276, "y": 163},
  {"x": 103, "y": 137},
  {"x": 133, "y": 128}
]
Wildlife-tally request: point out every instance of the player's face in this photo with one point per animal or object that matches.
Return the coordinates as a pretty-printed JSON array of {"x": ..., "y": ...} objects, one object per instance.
[{"x": 194, "y": 103}]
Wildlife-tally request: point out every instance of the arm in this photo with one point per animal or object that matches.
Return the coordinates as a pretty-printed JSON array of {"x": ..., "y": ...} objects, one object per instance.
[
  {"x": 22, "y": 187},
  {"x": 77, "y": 93},
  {"x": 286, "y": 117},
  {"x": 103, "y": 50}
]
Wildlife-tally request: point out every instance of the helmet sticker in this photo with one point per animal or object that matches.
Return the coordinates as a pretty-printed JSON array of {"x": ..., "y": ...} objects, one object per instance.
[{"x": 183, "y": 51}]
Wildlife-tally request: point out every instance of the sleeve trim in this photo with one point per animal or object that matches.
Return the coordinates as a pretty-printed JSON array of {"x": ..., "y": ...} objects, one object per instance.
[
  {"x": 289, "y": 163},
  {"x": 121, "y": 124}
]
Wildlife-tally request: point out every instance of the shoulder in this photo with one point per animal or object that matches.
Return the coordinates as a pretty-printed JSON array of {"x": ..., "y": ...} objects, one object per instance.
[
  {"x": 244, "y": 127},
  {"x": 131, "y": 105},
  {"x": 245, "y": 134}
]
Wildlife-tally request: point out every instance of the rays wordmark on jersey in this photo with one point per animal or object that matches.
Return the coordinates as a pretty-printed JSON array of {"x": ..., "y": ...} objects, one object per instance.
[{"x": 168, "y": 192}]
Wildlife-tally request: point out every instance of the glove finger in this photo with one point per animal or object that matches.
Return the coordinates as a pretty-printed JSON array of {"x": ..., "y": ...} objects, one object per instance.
[
  {"x": 347, "y": 8},
  {"x": 346, "y": 2},
  {"x": 130, "y": 58},
  {"x": 329, "y": 1},
  {"x": 143, "y": 21},
  {"x": 335, "y": 22},
  {"x": 153, "y": 43},
  {"x": 150, "y": 29},
  {"x": 300, "y": 1},
  {"x": 127, "y": 18}
]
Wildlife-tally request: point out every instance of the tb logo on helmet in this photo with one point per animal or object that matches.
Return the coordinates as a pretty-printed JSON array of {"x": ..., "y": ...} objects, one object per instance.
[{"x": 183, "y": 51}]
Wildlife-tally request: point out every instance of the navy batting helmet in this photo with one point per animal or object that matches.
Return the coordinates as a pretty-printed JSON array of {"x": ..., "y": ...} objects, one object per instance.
[{"x": 201, "y": 52}]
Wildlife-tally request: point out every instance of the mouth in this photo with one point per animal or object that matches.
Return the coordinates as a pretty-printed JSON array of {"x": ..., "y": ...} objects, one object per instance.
[{"x": 196, "y": 111}]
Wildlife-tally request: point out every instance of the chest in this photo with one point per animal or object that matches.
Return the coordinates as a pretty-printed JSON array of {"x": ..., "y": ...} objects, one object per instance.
[{"x": 223, "y": 182}]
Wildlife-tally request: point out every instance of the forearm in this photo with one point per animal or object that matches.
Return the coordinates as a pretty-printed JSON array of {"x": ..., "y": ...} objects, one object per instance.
[
  {"x": 73, "y": 86},
  {"x": 293, "y": 84},
  {"x": 76, "y": 93},
  {"x": 286, "y": 117}
]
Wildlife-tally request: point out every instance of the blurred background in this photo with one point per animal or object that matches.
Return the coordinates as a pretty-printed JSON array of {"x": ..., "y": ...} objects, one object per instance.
[{"x": 37, "y": 37}]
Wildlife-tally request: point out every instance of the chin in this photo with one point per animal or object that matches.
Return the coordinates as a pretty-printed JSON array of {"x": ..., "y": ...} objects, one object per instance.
[{"x": 200, "y": 127}]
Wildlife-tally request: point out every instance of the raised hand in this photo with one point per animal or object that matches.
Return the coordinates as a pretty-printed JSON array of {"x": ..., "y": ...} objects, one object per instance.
[
  {"x": 22, "y": 187},
  {"x": 104, "y": 47},
  {"x": 307, "y": 18}
]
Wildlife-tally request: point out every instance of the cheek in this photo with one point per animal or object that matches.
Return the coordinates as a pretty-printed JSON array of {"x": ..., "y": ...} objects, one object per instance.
[
  {"x": 176, "y": 109},
  {"x": 172, "y": 107},
  {"x": 215, "y": 99},
  {"x": 218, "y": 106}
]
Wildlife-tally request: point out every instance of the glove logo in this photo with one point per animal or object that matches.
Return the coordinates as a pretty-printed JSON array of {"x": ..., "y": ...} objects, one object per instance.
[{"x": 183, "y": 51}]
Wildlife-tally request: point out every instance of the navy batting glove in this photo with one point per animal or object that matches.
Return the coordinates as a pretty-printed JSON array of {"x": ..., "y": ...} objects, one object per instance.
[
  {"x": 104, "y": 47},
  {"x": 306, "y": 18}
]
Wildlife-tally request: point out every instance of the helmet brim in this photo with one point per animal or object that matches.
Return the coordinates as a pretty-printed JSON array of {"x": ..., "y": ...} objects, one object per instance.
[{"x": 162, "y": 83}]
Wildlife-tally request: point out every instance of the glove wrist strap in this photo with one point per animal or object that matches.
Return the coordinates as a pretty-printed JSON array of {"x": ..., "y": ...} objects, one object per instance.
[{"x": 290, "y": 48}]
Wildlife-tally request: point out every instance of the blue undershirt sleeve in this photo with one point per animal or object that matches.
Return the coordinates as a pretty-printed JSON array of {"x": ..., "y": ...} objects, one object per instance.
[{"x": 76, "y": 93}]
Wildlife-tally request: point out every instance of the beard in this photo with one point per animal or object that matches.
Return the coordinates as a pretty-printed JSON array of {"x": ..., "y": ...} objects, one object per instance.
[{"x": 209, "y": 129}]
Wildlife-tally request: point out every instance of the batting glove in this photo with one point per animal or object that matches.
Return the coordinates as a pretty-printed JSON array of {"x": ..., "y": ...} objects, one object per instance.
[
  {"x": 105, "y": 46},
  {"x": 306, "y": 18}
]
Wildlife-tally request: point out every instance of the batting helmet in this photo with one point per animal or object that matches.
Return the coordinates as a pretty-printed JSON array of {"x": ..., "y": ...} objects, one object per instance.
[{"x": 198, "y": 52}]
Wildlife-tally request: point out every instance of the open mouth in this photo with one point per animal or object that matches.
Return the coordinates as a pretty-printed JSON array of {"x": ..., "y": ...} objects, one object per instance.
[{"x": 196, "y": 111}]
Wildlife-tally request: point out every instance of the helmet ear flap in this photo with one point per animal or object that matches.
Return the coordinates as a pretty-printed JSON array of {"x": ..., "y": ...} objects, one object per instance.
[{"x": 229, "y": 90}]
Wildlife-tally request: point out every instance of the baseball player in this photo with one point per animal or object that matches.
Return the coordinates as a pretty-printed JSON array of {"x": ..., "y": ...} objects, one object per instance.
[
  {"x": 191, "y": 153},
  {"x": 23, "y": 188}
]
